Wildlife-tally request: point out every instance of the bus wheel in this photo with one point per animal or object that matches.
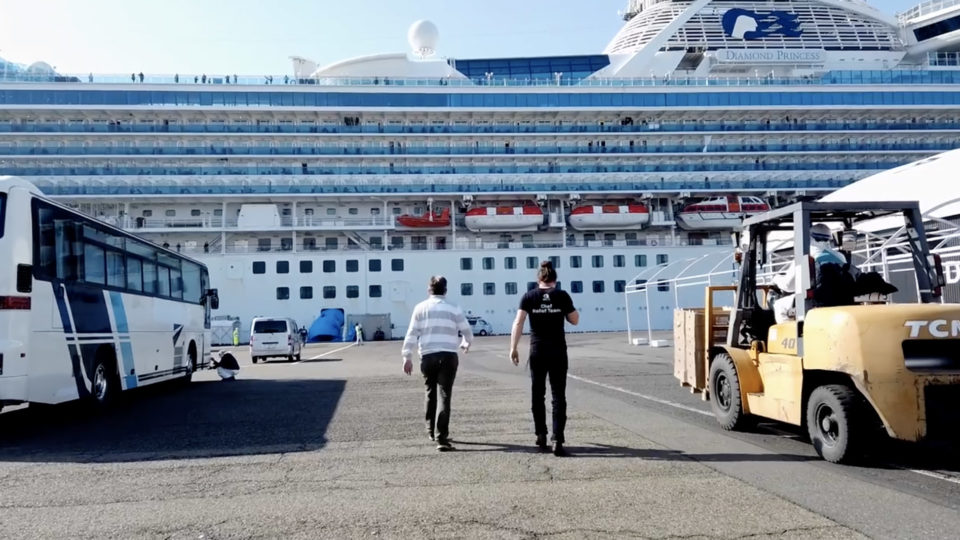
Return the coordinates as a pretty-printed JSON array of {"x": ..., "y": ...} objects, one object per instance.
[
  {"x": 105, "y": 384},
  {"x": 255, "y": 359}
]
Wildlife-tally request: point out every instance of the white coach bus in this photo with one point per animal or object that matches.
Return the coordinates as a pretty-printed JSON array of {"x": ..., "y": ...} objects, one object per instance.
[{"x": 88, "y": 310}]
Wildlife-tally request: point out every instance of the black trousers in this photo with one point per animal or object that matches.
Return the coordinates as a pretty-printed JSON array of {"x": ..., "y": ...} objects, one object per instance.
[
  {"x": 554, "y": 367},
  {"x": 439, "y": 371}
]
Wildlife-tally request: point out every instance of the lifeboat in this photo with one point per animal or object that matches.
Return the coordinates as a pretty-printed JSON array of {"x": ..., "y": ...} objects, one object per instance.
[
  {"x": 609, "y": 216},
  {"x": 504, "y": 218},
  {"x": 719, "y": 213},
  {"x": 430, "y": 220}
]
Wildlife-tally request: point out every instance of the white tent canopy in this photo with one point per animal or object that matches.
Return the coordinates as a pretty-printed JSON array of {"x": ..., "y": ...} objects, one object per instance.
[{"x": 933, "y": 181}]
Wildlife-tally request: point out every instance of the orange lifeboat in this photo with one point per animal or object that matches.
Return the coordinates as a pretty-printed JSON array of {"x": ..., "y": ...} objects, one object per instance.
[
  {"x": 719, "y": 213},
  {"x": 504, "y": 218},
  {"x": 430, "y": 220},
  {"x": 609, "y": 216}
]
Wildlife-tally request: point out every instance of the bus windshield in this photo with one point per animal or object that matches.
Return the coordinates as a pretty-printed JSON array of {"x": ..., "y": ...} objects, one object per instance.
[{"x": 3, "y": 202}]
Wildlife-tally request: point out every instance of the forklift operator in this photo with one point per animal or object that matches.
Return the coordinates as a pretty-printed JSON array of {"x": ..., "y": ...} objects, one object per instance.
[{"x": 822, "y": 249}]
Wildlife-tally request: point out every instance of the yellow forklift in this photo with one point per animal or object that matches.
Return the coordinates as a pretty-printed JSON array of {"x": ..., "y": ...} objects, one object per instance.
[{"x": 846, "y": 368}]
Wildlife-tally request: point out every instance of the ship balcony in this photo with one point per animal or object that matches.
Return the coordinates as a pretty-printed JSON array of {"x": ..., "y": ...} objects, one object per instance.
[{"x": 285, "y": 223}]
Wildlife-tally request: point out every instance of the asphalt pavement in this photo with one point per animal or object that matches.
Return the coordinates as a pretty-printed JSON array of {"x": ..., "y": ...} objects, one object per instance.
[{"x": 334, "y": 446}]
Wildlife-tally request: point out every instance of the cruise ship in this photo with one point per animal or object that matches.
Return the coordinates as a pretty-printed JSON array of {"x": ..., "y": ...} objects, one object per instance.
[{"x": 346, "y": 186}]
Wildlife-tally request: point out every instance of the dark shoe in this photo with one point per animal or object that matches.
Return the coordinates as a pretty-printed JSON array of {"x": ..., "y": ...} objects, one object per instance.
[
  {"x": 559, "y": 450},
  {"x": 444, "y": 445},
  {"x": 542, "y": 443},
  {"x": 431, "y": 435}
]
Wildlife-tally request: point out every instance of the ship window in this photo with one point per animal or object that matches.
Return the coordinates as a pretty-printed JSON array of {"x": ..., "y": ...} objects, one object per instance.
[
  {"x": 489, "y": 289},
  {"x": 619, "y": 261},
  {"x": 353, "y": 291},
  {"x": 597, "y": 261},
  {"x": 259, "y": 267},
  {"x": 329, "y": 267},
  {"x": 331, "y": 211},
  {"x": 466, "y": 289},
  {"x": 264, "y": 244},
  {"x": 218, "y": 212},
  {"x": 488, "y": 263},
  {"x": 376, "y": 242},
  {"x": 466, "y": 263},
  {"x": 396, "y": 265},
  {"x": 306, "y": 293},
  {"x": 329, "y": 291},
  {"x": 555, "y": 259},
  {"x": 374, "y": 211},
  {"x": 309, "y": 244},
  {"x": 510, "y": 287},
  {"x": 376, "y": 291},
  {"x": 353, "y": 211},
  {"x": 662, "y": 259},
  {"x": 510, "y": 263},
  {"x": 283, "y": 293},
  {"x": 576, "y": 287},
  {"x": 396, "y": 210},
  {"x": 373, "y": 265},
  {"x": 663, "y": 286},
  {"x": 353, "y": 265},
  {"x": 532, "y": 262},
  {"x": 531, "y": 285},
  {"x": 598, "y": 286},
  {"x": 286, "y": 244},
  {"x": 639, "y": 260},
  {"x": 331, "y": 243},
  {"x": 194, "y": 212},
  {"x": 148, "y": 213},
  {"x": 396, "y": 242},
  {"x": 306, "y": 267},
  {"x": 308, "y": 211},
  {"x": 575, "y": 261},
  {"x": 170, "y": 213},
  {"x": 283, "y": 267},
  {"x": 619, "y": 285}
]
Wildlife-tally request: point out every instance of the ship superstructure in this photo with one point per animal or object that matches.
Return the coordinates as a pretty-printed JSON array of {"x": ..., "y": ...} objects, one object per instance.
[{"x": 347, "y": 186}]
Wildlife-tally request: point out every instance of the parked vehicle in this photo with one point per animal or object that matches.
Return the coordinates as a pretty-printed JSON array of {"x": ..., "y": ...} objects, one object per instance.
[
  {"x": 479, "y": 326},
  {"x": 274, "y": 337}
]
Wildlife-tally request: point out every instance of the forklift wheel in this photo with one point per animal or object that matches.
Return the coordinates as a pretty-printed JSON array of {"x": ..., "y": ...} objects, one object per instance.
[
  {"x": 725, "y": 393},
  {"x": 835, "y": 423}
]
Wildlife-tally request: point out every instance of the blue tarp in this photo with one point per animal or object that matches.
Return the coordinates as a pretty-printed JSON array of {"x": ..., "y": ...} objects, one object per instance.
[{"x": 327, "y": 327}]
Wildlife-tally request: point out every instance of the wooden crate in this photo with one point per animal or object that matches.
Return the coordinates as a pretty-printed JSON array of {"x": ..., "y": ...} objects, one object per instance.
[{"x": 688, "y": 341}]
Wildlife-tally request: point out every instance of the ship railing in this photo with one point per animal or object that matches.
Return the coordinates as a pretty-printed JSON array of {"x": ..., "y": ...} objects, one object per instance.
[
  {"x": 745, "y": 126},
  {"x": 217, "y": 83},
  {"x": 926, "y": 8}
]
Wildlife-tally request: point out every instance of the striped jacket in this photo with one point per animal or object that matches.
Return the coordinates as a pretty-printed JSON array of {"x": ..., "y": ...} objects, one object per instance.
[{"x": 434, "y": 326}]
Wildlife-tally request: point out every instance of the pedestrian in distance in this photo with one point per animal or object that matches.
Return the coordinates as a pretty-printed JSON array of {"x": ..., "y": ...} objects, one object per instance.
[
  {"x": 548, "y": 307},
  {"x": 358, "y": 330},
  {"x": 438, "y": 328}
]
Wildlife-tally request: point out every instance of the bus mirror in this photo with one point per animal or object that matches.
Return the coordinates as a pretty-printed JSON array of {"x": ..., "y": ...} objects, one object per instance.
[
  {"x": 24, "y": 278},
  {"x": 214, "y": 298}
]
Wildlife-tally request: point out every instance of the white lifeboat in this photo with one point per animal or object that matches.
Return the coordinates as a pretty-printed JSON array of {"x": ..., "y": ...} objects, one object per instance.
[
  {"x": 609, "y": 216},
  {"x": 719, "y": 213},
  {"x": 504, "y": 218}
]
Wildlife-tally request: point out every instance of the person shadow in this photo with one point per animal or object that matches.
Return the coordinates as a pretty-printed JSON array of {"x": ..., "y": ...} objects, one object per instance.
[{"x": 598, "y": 450}]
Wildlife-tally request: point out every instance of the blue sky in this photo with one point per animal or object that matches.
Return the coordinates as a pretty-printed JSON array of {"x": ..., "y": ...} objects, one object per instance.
[{"x": 254, "y": 37}]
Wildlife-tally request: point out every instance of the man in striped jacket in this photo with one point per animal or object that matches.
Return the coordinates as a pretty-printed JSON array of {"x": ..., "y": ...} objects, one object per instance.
[{"x": 435, "y": 327}]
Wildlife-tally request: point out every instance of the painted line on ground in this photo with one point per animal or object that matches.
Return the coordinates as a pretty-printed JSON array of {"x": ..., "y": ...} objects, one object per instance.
[
  {"x": 642, "y": 396},
  {"x": 319, "y": 356},
  {"x": 929, "y": 474}
]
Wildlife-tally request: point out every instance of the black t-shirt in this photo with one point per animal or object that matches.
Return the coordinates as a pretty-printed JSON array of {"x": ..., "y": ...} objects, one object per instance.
[{"x": 547, "y": 309}]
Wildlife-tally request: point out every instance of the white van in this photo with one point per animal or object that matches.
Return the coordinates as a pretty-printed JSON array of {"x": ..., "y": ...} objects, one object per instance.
[
  {"x": 479, "y": 326},
  {"x": 274, "y": 337}
]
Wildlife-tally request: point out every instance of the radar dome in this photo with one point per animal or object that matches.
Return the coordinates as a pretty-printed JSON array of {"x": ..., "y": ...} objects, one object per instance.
[
  {"x": 423, "y": 36},
  {"x": 40, "y": 68}
]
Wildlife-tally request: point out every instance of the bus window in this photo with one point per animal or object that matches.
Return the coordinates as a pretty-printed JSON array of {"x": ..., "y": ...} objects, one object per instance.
[
  {"x": 176, "y": 284},
  {"x": 134, "y": 274},
  {"x": 150, "y": 277},
  {"x": 192, "y": 288},
  {"x": 163, "y": 281},
  {"x": 93, "y": 264},
  {"x": 116, "y": 275},
  {"x": 3, "y": 206}
]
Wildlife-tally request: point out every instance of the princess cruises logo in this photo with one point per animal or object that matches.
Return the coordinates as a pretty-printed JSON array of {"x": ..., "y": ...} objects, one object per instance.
[{"x": 745, "y": 24}]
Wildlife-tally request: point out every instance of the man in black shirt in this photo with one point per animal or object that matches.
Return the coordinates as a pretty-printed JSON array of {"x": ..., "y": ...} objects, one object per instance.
[{"x": 548, "y": 308}]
